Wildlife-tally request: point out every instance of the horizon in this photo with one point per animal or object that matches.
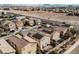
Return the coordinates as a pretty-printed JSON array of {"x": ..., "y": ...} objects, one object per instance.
[{"x": 38, "y": 4}]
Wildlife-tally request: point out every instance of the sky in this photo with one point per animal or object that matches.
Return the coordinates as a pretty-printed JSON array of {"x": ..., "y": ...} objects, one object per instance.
[
  {"x": 39, "y": 1},
  {"x": 40, "y": 5}
]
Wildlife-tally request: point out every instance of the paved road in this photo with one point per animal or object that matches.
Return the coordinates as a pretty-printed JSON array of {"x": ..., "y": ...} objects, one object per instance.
[
  {"x": 27, "y": 30},
  {"x": 5, "y": 37}
]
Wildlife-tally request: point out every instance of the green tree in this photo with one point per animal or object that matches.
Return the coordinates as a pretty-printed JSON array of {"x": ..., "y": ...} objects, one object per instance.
[
  {"x": 2, "y": 13},
  {"x": 1, "y": 30}
]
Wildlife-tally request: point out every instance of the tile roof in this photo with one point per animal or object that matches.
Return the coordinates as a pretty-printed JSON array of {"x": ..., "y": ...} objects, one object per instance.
[{"x": 18, "y": 42}]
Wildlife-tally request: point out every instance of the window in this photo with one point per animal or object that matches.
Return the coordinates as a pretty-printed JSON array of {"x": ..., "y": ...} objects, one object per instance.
[
  {"x": 1, "y": 52},
  {"x": 23, "y": 48},
  {"x": 13, "y": 44},
  {"x": 29, "y": 52}
]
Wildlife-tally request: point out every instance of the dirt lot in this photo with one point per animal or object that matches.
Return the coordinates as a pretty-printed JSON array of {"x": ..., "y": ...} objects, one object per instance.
[{"x": 48, "y": 15}]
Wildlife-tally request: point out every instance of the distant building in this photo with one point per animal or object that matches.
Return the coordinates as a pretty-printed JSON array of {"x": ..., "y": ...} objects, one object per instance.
[
  {"x": 19, "y": 24},
  {"x": 23, "y": 45},
  {"x": 20, "y": 17},
  {"x": 38, "y": 21},
  {"x": 58, "y": 31},
  {"x": 43, "y": 41},
  {"x": 48, "y": 30},
  {"x": 5, "y": 48},
  {"x": 10, "y": 25},
  {"x": 24, "y": 32},
  {"x": 56, "y": 35},
  {"x": 31, "y": 21},
  {"x": 6, "y": 8}
]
